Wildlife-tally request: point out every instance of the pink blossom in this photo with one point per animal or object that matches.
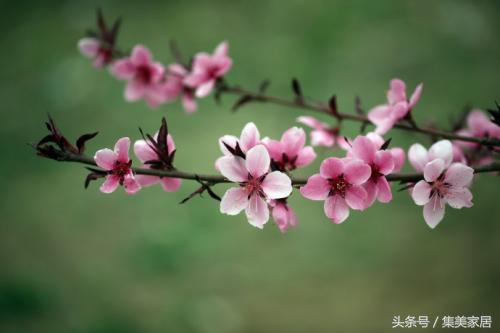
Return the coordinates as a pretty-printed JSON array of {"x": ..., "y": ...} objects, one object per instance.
[
  {"x": 419, "y": 156},
  {"x": 174, "y": 87},
  {"x": 207, "y": 69},
  {"x": 92, "y": 48},
  {"x": 289, "y": 153},
  {"x": 283, "y": 215},
  {"x": 144, "y": 76},
  {"x": 322, "y": 134},
  {"x": 145, "y": 152},
  {"x": 339, "y": 183},
  {"x": 398, "y": 154},
  {"x": 249, "y": 138},
  {"x": 381, "y": 163},
  {"x": 442, "y": 186},
  {"x": 478, "y": 126},
  {"x": 398, "y": 107},
  {"x": 256, "y": 185},
  {"x": 118, "y": 166}
]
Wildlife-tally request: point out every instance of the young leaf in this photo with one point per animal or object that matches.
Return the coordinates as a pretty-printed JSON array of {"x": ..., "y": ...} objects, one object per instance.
[{"x": 80, "y": 143}]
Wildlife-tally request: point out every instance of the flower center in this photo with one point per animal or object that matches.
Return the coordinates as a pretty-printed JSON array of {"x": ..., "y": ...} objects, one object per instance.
[
  {"x": 121, "y": 168},
  {"x": 143, "y": 74},
  {"x": 338, "y": 186},
  {"x": 253, "y": 185}
]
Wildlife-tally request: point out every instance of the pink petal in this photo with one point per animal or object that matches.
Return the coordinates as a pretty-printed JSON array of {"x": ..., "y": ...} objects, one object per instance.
[
  {"x": 397, "y": 92},
  {"x": 417, "y": 155},
  {"x": 478, "y": 123},
  {"x": 322, "y": 138},
  {"x": 331, "y": 168},
  {"x": 177, "y": 70},
  {"x": 257, "y": 211},
  {"x": 144, "y": 152},
  {"x": 421, "y": 193},
  {"x": 221, "y": 49},
  {"x": 257, "y": 161},
  {"x": 459, "y": 198},
  {"x": 459, "y": 174},
  {"x": 277, "y": 185},
  {"x": 399, "y": 111},
  {"x": 398, "y": 156},
  {"x": 281, "y": 216},
  {"x": 250, "y": 137},
  {"x": 105, "y": 158},
  {"x": 371, "y": 189},
  {"x": 140, "y": 56},
  {"x": 357, "y": 172},
  {"x": 384, "y": 162},
  {"x": 316, "y": 188},
  {"x": 442, "y": 149},
  {"x": 170, "y": 184},
  {"x": 205, "y": 88},
  {"x": 415, "y": 97},
  {"x": 434, "y": 211},
  {"x": 131, "y": 185},
  {"x": 274, "y": 148},
  {"x": 355, "y": 197},
  {"x": 234, "y": 201},
  {"x": 134, "y": 90},
  {"x": 233, "y": 168},
  {"x": 293, "y": 140},
  {"x": 364, "y": 149},
  {"x": 123, "y": 69},
  {"x": 89, "y": 47},
  {"x": 194, "y": 80},
  {"x": 384, "y": 193},
  {"x": 223, "y": 65},
  {"x": 306, "y": 156},
  {"x": 377, "y": 140},
  {"x": 433, "y": 170},
  {"x": 110, "y": 184},
  {"x": 379, "y": 114},
  {"x": 157, "y": 72},
  {"x": 121, "y": 149},
  {"x": 336, "y": 209},
  {"x": 188, "y": 103},
  {"x": 147, "y": 180},
  {"x": 312, "y": 122},
  {"x": 229, "y": 140}
]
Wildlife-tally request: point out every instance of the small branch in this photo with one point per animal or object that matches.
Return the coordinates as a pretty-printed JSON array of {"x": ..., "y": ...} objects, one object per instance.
[
  {"x": 216, "y": 179},
  {"x": 325, "y": 109}
]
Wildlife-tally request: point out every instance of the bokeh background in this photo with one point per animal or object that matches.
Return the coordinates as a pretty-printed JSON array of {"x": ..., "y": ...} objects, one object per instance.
[{"x": 75, "y": 260}]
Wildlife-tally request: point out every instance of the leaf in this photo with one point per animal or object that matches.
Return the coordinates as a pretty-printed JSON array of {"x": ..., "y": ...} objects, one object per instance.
[
  {"x": 114, "y": 31},
  {"x": 162, "y": 137},
  {"x": 91, "y": 177},
  {"x": 386, "y": 144},
  {"x": 80, "y": 143},
  {"x": 296, "y": 89},
  {"x": 332, "y": 103},
  {"x": 46, "y": 139},
  {"x": 101, "y": 23},
  {"x": 241, "y": 101}
]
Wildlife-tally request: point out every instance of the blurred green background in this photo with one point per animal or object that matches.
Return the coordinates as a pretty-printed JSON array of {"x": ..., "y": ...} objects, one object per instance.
[{"x": 75, "y": 260}]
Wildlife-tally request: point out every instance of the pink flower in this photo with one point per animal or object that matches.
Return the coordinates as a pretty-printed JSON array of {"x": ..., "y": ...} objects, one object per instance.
[
  {"x": 144, "y": 76},
  {"x": 283, "y": 215},
  {"x": 398, "y": 154},
  {"x": 256, "y": 185},
  {"x": 92, "y": 48},
  {"x": 419, "y": 156},
  {"x": 174, "y": 86},
  {"x": 381, "y": 163},
  {"x": 398, "y": 107},
  {"x": 443, "y": 186},
  {"x": 249, "y": 138},
  {"x": 289, "y": 153},
  {"x": 146, "y": 152},
  {"x": 339, "y": 183},
  {"x": 478, "y": 126},
  {"x": 118, "y": 165},
  {"x": 207, "y": 69},
  {"x": 322, "y": 134}
]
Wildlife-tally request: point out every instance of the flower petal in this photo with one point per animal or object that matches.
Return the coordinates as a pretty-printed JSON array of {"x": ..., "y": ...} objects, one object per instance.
[
  {"x": 316, "y": 188},
  {"x": 355, "y": 197},
  {"x": 140, "y": 55},
  {"x": 233, "y": 168},
  {"x": 89, "y": 47},
  {"x": 105, "y": 158},
  {"x": 147, "y": 180},
  {"x": 415, "y": 97},
  {"x": 144, "y": 152},
  {"x": 421, "y": 193},
  {"x": 306, "y": 156},
  {"x": 384, "y": 161},
  {"x": 398, "y": 155},
  {"x": 205, "y": 88},
  {"x": 131, "y": 185},
  {"x": 234, "y": 201},
  {"x": 357, "y": 172},
  {"x": 134, "y": 90},
  {"x": 459, "y": 198},
  {"x": 277, "y": 185},
  {"x": 257, "y": 211},
  {"x": 229, "y": 140},
  {"x": 364, "y": 149},
  {"x": 293, "y": 140},
  {"x": 442, "y": 149},
  {"x": 170, "y": 184},
  {"x": 397, "y": 92},
  {"x": 110, "y": 184},
  {"x": 433, "y": 170},
  {"x": 384, "y": 193},
  {"x": 459, "y": 174},
  {"x": 123, "y": 69},
  {"x": 250, "y": 137},
  {"x": 417, "y": 155},
  {"x": 121, "y": 149},
  {"x": 331, "y": 168},
  {"x": 322, "y": 138},
  {"x": 336, "y": 209},
  {"x": 312, "y": 122},
  {"x": 257, "y": 161},
  {"x": 434, "y": 211}
]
